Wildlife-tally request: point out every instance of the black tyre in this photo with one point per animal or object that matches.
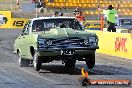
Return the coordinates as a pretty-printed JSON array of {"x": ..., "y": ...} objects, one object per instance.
[
  {"x": 90, "y": 60},
  {"x": 23, "y": 62},
  {"x": 37, "y": 62},
  {"x": 70, "y": 63}
]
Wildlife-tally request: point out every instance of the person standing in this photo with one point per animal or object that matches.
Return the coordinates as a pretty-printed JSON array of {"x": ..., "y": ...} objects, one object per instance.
[
  {"x": 34, "y": 1},
  {"x": 110, "y": 14},
  {"x": 41, "y": 11},
  {"x": 56, "y": 14},
  {"x": 61, "y": 14},
  {"x": 18, "y": 4},
  {"x": 77, "y": 10},
  {"x": 80, "y": 17}
]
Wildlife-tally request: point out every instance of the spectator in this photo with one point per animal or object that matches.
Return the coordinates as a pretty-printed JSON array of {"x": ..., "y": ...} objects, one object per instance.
[
  {"x": 110, "y": 13},
  {"x": 34, "y": 1},
  {"x": 38, "y": 3},
  {"x": 77, "y": 10},
  {"x": 41, "y": 3},
  {"x": 56, "y": 14},
  {"x": 61, "y": 14},
  {"x": 80, "y": 17},
  {"x": 18, "y": 4},
  {"x": 39, "y": 28},
  {"x": 41, "y": 11}
]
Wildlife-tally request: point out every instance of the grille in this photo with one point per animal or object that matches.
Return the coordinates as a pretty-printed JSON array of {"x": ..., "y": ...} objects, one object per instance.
[{"x": 67, "y": 42}]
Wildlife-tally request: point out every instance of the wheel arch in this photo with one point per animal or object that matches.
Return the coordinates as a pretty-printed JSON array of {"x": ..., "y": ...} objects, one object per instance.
[
  {"x": 32, "y": 51},
  {"x": 17, "y": 51}
]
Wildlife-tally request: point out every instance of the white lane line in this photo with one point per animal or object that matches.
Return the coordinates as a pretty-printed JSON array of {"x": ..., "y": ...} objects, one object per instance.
[{"x": 37, "y": 75}]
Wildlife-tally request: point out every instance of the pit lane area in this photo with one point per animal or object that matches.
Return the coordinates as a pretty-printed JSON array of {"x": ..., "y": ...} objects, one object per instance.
[{"x": 54, "y": 75}]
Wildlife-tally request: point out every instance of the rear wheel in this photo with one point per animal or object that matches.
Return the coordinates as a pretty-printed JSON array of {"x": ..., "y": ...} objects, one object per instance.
[
  {"x": 23, "y": 62},
  {"x": 37, "y": 62},
  {"x": 90, "y": 60}
]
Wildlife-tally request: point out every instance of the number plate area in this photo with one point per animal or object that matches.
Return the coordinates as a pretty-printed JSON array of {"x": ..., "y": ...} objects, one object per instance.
[{"x": 67, "y": 52}]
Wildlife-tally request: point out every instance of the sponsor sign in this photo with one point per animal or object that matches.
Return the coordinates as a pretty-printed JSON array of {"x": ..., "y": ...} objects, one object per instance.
[
  {"x": 3, "y": 19},
  {"x": 115, "y": 44},
  {"x": 6, "y": 21},
  {"x": 19, "y": 22},
  {"x": 120, "y": 44}
]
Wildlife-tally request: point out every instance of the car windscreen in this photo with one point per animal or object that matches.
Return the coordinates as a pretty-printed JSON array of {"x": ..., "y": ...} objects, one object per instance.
[{"x": 46, "y": 24}]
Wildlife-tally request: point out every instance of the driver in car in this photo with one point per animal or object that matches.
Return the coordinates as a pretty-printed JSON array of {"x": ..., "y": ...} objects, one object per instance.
[
  {"x": 39, "y": 28},
  {"x": 62, "y": 26}
]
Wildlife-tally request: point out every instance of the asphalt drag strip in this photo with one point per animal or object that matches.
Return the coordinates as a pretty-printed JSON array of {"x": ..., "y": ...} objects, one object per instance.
[{"x": 54, "y": 74}]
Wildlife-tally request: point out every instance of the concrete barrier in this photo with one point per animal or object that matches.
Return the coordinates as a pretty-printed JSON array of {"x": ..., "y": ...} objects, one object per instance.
[{"x": 115, "y": 44}]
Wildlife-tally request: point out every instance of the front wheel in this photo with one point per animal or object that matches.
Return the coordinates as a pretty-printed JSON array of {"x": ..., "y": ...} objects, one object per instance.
[
  {"x": 90, "y": 60},
  {"x": 37, "y": 62}
]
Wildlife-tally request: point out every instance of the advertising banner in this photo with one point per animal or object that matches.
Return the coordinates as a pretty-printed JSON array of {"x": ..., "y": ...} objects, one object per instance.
[
  {"x": 115, "y": 44},
  {"x": 6, "y": 20},
  {"x": 18, "y": 22}
]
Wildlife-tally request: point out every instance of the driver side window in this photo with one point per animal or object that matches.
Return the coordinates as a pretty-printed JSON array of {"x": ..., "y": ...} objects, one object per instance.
[{"x": 26, "y": 29}]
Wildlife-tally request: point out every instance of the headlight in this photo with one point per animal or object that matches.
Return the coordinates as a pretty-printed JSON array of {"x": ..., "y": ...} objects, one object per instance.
[
  {"x": 41, "y": 43},
  {"x": 92, "y": 41}
]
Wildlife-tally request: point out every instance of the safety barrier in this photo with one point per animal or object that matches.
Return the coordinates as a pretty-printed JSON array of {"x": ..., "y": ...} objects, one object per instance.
[
  {"x": 115, "y": 44},
  {"x": 94, "y": 24},
  {"x": 6, "y": 20}
]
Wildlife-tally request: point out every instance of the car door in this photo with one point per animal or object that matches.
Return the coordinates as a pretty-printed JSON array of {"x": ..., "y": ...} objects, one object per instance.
[{"x": 24, "y": 44}]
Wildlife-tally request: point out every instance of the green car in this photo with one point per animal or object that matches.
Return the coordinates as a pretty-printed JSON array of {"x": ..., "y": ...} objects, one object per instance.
[{"x": 46, "y": 39}]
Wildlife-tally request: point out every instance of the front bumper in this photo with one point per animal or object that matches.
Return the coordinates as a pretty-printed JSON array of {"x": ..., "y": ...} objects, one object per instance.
[{"x": 57, "y": 51}]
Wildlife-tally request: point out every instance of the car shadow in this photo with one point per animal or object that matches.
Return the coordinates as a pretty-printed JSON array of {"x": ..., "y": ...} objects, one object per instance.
[
  {"x": 97, "y": 70},
  {"x": 61, "y": 69}
]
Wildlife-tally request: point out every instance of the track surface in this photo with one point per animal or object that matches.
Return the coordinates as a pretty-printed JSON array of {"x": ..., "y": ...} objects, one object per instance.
[{"x": 53, "y": 75}]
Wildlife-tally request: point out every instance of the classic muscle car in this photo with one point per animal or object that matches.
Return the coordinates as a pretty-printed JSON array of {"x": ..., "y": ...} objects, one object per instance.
[{"x": 46, "y": 39}]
